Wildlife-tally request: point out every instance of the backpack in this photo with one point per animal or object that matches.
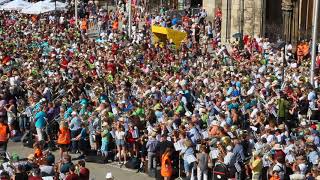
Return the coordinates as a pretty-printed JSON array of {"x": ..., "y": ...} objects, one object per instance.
[
  {"x": 220, "y": 171},
  {"x": 133, "y": 163}
]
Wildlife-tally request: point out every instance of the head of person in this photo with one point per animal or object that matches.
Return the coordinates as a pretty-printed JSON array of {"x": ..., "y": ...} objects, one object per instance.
[
  {"x": 66, "y": 158},
  {"x": 4, "y": 175},
  {"x": 72, "y": 169},
  {"x": 82, "y": 163},
  {"x": 36, "y": 172}
]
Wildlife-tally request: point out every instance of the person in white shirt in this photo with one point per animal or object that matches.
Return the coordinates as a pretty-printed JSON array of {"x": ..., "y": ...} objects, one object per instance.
[
  {"x": 228, "y": 157},
  {"x": 120, "y": 142}
]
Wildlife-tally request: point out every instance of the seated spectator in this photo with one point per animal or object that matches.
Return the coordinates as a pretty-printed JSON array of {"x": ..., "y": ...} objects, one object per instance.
[
  {"x": 84, "y": 173},
  {"x": 20, "y": 174},
  {"x": 46, "y": 169},
  {"x": 35, "y": 174},
  {"x": 72, "y": 175},
  {"x": 66, "y": 164}
]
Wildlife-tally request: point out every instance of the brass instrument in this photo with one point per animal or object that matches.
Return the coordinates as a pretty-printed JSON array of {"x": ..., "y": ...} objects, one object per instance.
[
  {"x": 4, "y": 78},
  {"x": 226, "y": 141}
]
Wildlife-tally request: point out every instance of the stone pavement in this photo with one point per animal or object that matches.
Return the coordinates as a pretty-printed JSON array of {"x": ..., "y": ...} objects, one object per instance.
[{"x": 97, "y": 171}]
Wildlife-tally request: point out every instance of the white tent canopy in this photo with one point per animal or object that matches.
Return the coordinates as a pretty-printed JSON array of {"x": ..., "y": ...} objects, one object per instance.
[
  {"x": 15, "y": 5},
  {"x": 43, "y": 7},
  {"x": 3, "y": 1}
]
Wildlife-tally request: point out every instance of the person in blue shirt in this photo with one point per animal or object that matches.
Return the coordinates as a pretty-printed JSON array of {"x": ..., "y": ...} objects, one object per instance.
[
  {"x": 193, "y": 133},
  {"x": 234, "y": 104},
  {"x": 40, "y": 124},
  {"x": 83, "y": 139},
  {"x": 235, "y": 91},
  {"x": 175, "y": 20}
]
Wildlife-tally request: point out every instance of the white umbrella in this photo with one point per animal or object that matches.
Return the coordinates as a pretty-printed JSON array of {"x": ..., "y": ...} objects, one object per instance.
[
  {"x": 43, "y": 7},
  {"x": 15, "y": 5}
]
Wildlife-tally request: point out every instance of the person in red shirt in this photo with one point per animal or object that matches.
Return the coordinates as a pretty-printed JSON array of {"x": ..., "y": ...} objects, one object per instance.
[
  {"x": 35, "y": 175},
  {"x": 84, "y": 172},
  {"x": 72, "y": 175}
]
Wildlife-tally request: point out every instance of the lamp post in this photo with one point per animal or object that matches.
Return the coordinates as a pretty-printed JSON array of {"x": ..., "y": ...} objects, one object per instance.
[
  {"x": 129, "y": 19},
  {"x": 314, "y": 40},
  {"x": 282, "y": 47},
  {"x": 241, "y": 23},
  {"x": 76, "y": 11}
]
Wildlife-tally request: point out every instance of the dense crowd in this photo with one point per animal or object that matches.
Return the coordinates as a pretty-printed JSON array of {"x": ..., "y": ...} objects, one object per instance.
[{"x": 202, "y": 110}]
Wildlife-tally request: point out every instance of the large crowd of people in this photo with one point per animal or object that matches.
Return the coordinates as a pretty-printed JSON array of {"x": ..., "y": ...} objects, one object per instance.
[{"x": 201, "y": 110}]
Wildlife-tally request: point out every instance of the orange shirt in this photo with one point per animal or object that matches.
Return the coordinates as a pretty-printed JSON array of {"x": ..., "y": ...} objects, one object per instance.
[
  {"x": 64, "y": 136},
  {"x": 4, "y": 130},
  {"x": 166, "y": 166},
  {"x": 38, "y": 153},
  {"x": 115, "y": 25},
  {"x": 84, "y": 24}
]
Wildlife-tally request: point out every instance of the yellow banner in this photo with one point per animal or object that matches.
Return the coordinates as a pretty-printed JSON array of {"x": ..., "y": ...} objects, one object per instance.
[{"x": 162, "y": 34}]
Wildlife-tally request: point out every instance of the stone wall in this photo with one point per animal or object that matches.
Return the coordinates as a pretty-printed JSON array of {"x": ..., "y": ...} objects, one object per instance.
[
  {"x": 233, "y": 13},
  {"x": 210, "y": 6}
]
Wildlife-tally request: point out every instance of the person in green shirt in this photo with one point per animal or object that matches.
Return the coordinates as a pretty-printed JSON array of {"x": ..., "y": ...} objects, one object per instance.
[
  {"x": 105, "y": 134},
  {"x": 283, "y": 105},
  {"x": 256, "y": 165}
]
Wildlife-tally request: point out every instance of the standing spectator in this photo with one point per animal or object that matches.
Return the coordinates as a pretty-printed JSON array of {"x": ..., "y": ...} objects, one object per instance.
[
  {"x": 64, "y": 138},
  {"x": 256, "y": 166},
  {"x": 83, "y": 138},
  {"x": 151, "y": 146},
  {"x": 202, "y": 164},
  {"x": 105, "y": 136},
  {"x": 4, "y": 134},
  {"x": 75, "y": 128},
  {"x": 188, "y": 151},
  {"x": 40, "y": 123},
  {"x": 120, "y": 142},
  {"x": 166, "y": 164}
]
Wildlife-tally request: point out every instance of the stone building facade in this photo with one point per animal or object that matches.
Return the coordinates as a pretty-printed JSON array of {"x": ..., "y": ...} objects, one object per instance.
[{"x": 290, "y": 20}]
